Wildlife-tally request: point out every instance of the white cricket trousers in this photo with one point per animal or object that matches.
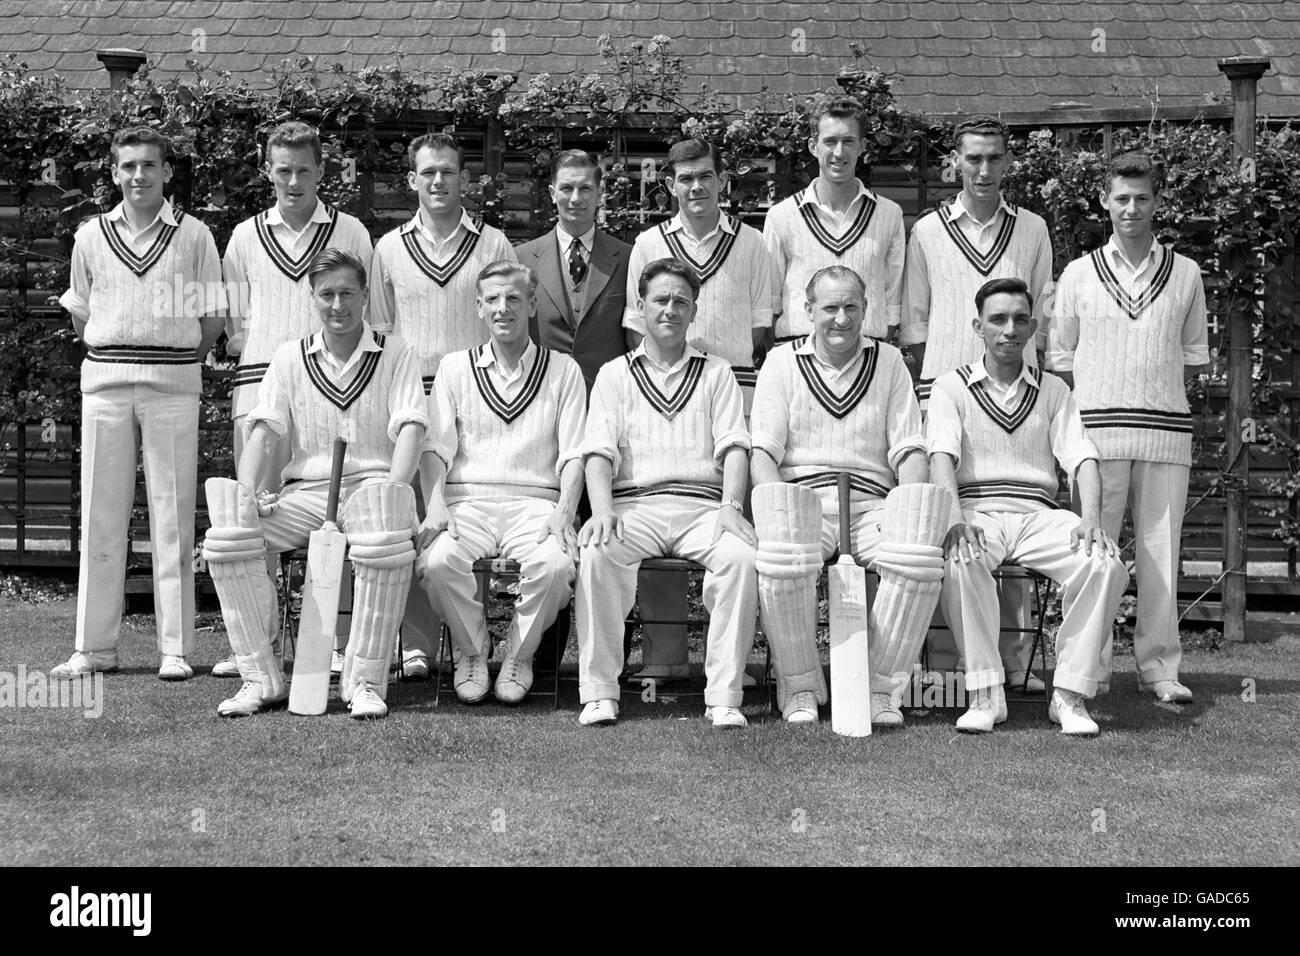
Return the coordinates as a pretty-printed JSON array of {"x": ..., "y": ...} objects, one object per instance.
[
  {"x": 167, "y": 427},
  {"x": 662, "y": 526},
  {"x": 488, "y": 527},
  {"x": 1157, "y": 494},
  {"x": 1091, "y": 588}
]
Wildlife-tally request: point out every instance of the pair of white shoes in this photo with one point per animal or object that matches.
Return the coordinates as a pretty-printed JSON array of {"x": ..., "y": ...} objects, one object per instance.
[
  {"x": 989, "y": 708},
  {"x": 252, "y": 699},
  {"x": 597, "y": 713},
  {"x": 801, "y": 708},
  {"x": 174, "y": 667},
  {"x": 472, "y": 680}
]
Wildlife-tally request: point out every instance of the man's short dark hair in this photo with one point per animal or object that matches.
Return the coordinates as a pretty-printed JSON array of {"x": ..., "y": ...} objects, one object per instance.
[
  {"x": 1010, "y": 286},
  {"x": 1133, "y": 165},
  {"x": 672, "y": 267},
  {"x": 434, "y": 141},
  {"x": 327, "y": 260},
  {"x": 689, "y": 150},
  {"x": 834, "y": 273},
  {"x": 141, "y": 136},
  {"x": 507, "y": 268},
  {"x": 293, "y": 135},
  {"x": 575, "y": 159},
  {"x": 981, "y": 126},
  {"x": 836, "y": 107}
]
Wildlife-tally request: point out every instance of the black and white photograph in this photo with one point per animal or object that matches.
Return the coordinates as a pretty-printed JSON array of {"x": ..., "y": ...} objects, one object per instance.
[{"x": 666, "y": 434}]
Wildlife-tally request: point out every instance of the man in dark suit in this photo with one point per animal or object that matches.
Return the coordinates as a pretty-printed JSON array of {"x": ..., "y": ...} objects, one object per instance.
[
  {"x": 581, "y": 293},
  {"x": 581, "y": 271}
]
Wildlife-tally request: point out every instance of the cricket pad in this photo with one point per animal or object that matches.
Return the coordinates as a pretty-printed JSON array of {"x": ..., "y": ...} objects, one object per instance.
[
  {"x": 788, "y": 518},
  {"x": 236, "y": 556},
  {"x": 910, "y": 564},
  {"x": 378, "y": 519}
]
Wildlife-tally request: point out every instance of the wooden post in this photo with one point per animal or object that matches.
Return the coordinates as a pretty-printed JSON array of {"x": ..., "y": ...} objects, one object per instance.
[
  {"x": 121, "y": 64},
  {"x": 1244, "y": 73}
]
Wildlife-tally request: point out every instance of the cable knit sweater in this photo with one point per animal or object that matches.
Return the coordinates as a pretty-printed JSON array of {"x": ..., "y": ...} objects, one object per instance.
[
  {"x": 495, "y": 444},
  {"x": 943, "y": 273},
  {"x": 304, "y": 404},
  {"x": 1006, "y": 455},
  {"x": 800, "y": 241},
  {"x": 813, "y": 428},
  {"x": 143, "y": 308},
  {"x": 429, "y": 303},
  {"x": 735, "y": 294},
  {"x": 270, "y": 297},
  {"x": 1128, "y": 351},
  {"x": 662, "y": 443}
]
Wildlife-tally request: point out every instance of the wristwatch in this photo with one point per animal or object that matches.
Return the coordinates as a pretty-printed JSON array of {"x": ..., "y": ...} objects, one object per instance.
[{"x": 732, "y": 503}]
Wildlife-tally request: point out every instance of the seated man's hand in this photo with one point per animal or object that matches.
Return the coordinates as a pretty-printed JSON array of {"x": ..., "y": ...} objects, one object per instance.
[
  {"x": 436, "y": 521},
  {"x": 266, "y": 503},
  {"x": 599, "y": 528},
  {"x": 730, "y": 519},
  {"x": 964, "y": 542},
  {"x": 1089, "y": 533},
  {"x": 563, "y": 531}
]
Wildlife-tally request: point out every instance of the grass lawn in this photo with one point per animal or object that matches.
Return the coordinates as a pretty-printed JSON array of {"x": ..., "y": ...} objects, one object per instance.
[{"x": 160, "y": 779}]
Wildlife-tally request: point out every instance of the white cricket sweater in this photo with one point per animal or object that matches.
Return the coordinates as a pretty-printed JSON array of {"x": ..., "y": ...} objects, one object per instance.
[
  {"x": 814, "y": 428},
  {"x": 662, "y": 443},
  {"x": 268, "y": 291},
  {"x": 1128, "y": 352},
  {"x": 800, "y": 241},
  {"x": 304, "y": 404},
  {"x": 428, "y": 302},
  {"x": 1006, "y": 456},
  {"x": 493, "y": 444},
  {"x": 945, "y": 270},
  {"x": 144, "y": 308},
  {"x": 735, "y": 294}
]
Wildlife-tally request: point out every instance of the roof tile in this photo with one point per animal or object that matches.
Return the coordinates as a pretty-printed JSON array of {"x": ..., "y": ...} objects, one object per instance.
[
  {"x": 305, "y": 28},
  {"x": 940, "y": 46},
  {"x": 96, "y": 8},
  {"x": 918, "y": 29},
  {"x": 185, "y": 10},
  {"x": 355, "y": 28},
  {"x": 556, "y": 28},
  {"x": 535, "y": 10}
]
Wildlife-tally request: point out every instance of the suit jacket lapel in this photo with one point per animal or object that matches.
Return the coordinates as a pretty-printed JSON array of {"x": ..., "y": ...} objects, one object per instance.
[
  {"x": 601, "y": 267},
  {"x": 551, "y": 279}
]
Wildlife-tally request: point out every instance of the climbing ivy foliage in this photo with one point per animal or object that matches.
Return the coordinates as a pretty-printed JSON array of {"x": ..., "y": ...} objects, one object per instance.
[{"x": 55, "y": 165}]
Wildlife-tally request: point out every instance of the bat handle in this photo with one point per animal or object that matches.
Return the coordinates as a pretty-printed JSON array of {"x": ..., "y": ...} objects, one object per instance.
[
  {"x": 846, "y": 541},
  {"x": 336, "y": 480}
]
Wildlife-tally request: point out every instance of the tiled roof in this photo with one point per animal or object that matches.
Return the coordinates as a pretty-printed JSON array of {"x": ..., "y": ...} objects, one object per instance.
[{"x": 1011, "y": 55}]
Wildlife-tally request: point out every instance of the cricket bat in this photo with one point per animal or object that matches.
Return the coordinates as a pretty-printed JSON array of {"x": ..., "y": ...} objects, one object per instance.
[
  {"x": 310, "y": 688},
  {"x": 850, "y": 667}
]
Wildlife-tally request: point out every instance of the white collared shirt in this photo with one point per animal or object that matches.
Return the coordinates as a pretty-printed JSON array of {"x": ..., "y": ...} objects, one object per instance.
[
  {"x": 835, "y": 375},
  {"x": 1006, "y": 395},
  {"x": 981, "y": 234},
  {"x": 565, "y": 241},
  {"x": 665, "y": 377},
  {"x": 294, "y": 240},
  {"x": 1133, "y": 274},
  {"x": 140, "y": 241},
  {"x": 708, "y": 240},
  {"x": 839, "y": 221},
  {"x": 442, "y": 249},
  {"x": 342, "y": 372},
  {"x": 507, "y": 381}
]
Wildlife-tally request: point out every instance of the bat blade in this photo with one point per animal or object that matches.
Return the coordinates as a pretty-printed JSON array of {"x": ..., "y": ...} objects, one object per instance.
[
  {"x": 322, "y": 584},
  {"x": 850, "y": 665}
]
